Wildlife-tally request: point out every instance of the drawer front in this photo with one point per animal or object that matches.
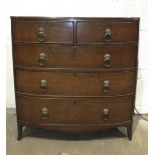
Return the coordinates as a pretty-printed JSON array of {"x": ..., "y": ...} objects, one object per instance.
[
  {"x": 75, "y": 83},
  {"x": 72, "y": 57},
  {"x": 31, "y": 31},
  {"x": 74, "y": 111},
  {"x": 107, "y": 32}
]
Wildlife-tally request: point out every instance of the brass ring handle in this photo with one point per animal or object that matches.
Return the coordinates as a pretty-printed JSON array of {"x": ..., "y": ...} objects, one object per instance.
[
  {"x": 107, "y": 59},
  {"x": 42, "y": 59},
  {"x": 43, "y": 85},
  {"x": 41, "y": 34},
  {"x": 105, "y": 114},
  {"x": 44, "y": 112},
  {"x": 107, "y": 35},
  {"x": 106, "y": 86}
]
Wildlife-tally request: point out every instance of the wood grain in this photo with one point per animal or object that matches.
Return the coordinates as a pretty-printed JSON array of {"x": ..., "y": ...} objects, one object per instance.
[
  {"x": 75, "y": 56},
  {"x": 26, "y": 31},
  {"x": 74, "y": 111},
  {"x": 83, "y": 84},
  {"x": 75, "y": 72},
  {"x": 93, "y": 32}
]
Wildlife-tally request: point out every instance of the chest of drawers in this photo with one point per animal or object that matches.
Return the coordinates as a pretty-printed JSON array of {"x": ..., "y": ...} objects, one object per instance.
[{"x": 75, "y": 74}]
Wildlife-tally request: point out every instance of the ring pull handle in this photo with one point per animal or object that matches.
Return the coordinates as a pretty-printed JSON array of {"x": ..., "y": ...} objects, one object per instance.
[
  {"x": 43, "y": 85},
  {"x": 105, "y": 114},
  {"x": 107, "y": 59},
  {"x": 106, "y": 86},
  {"x": 44, "y": 112},
  {"x": 42, "y": 59},
  {"x": 107, "y": 35},
  {"x": 41, "y": 34}
]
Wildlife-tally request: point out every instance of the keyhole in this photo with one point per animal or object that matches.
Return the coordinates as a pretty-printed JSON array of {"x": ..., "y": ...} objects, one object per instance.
[
  {"x": 75, "y": 74},
  {"x": 74, "y": 51}
]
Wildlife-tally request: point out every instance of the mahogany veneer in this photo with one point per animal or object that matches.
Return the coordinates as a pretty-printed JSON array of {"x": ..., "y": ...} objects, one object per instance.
[{"x": 75, "y": 74}]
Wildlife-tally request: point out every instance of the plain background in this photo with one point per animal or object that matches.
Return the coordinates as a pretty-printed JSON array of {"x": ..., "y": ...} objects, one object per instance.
[{"x": 110, "y": 8}]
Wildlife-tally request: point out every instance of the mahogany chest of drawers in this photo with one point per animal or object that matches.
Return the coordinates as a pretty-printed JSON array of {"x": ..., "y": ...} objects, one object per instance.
[{"x": 75, "y": 74}]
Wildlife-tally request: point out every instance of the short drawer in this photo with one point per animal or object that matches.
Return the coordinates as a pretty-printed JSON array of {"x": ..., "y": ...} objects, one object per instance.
[
  {"x": 75, "y": 110},
  {"x": 75, "y": 56},
  {"x": 41, "y": 31},
  {"x": 107, "y": 32},
  {"x": 75, "y": 83}
]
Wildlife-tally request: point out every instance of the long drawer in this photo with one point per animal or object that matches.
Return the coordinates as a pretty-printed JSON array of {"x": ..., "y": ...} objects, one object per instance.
[
  {"x": 74, "y": 111},
  {"x": 43, "y": 31},
  {"x": 48, "y": 56},
  {"x": 75, "y": 83},
  {"x": 107, "y": 32}
]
